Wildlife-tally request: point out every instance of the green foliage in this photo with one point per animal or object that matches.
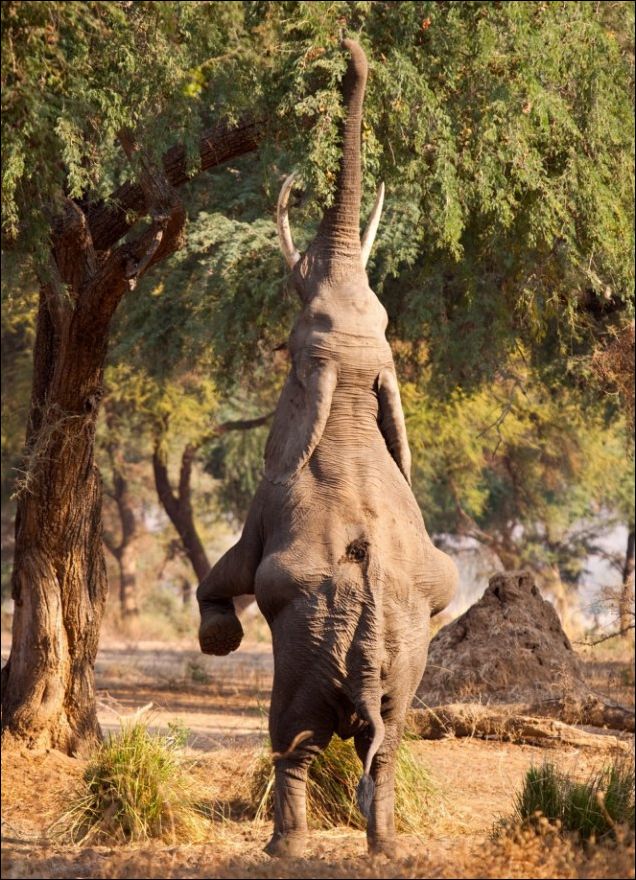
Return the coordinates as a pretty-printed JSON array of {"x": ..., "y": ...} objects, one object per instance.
[
  {"x": 503, "y": 131},
  {"x": 136, "y": 788},
  {"x": 331, "y": 788},
  {"x": 19, "y": 309},
  {"x": 593, "y": 808},
  {"x": 235, "y": 459},
  {"x": 534, "y": 469},
  {"x": 74, "y": 75}
]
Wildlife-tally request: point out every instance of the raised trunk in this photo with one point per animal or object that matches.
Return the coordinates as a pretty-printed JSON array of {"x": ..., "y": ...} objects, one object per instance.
[{"x": 338, "y": 238}]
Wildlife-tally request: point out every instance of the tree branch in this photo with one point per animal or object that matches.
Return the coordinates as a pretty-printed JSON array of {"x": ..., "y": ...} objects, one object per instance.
[
  {"x": 162, "y": 203},
  {"x": 125, "y": 265},
  {"x": 111, "y": 219},
  {"x": 162, "y": 482},
  {"x": 242, "y": 424},
  {"x": 607, "y": 637},
  {"x": 185, "y": 474},
  {"x": 73, "y": 248}
]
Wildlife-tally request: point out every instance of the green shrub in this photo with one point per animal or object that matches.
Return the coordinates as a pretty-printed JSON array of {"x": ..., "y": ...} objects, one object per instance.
[
  {"x": 593, "y": 808},
  {"x": 136, "y": 788},
  {"x": 331, "y": 787}
]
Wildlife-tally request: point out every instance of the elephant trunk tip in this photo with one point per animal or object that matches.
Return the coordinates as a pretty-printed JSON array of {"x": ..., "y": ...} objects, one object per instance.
[
  {"x": 358, "y": 60},
  {"x": 364, "y": 794}
]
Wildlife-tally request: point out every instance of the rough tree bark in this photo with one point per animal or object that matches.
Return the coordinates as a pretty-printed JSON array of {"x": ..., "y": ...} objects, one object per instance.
[
  {"x": 123, "y": 550},
  {"x": 59, "y": 580}
]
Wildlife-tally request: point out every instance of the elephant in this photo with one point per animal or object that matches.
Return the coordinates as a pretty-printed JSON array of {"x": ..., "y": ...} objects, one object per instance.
[{"x": 334, "y": 546}]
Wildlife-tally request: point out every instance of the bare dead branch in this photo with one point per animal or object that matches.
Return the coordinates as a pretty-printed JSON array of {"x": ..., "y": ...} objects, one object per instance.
[
  {"x": 242, "y": 424},
  {"x": 607, "y": 637}
]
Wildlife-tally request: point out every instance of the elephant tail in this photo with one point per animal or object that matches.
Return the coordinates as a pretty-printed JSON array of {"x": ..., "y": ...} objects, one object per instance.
[{"x": 366, "y": 786}]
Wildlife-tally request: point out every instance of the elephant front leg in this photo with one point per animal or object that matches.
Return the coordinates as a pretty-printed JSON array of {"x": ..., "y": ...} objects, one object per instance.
[{"x": 220, "y": 630}]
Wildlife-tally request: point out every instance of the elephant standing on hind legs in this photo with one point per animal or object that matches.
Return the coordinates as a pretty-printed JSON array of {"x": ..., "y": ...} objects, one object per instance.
[{"x": 334, "y": 547}]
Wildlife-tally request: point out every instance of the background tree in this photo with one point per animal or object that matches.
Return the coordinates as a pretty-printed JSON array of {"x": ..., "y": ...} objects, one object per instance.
[
  {"x": 121, "y": 544},
  {"x": 533, "y": 471}
]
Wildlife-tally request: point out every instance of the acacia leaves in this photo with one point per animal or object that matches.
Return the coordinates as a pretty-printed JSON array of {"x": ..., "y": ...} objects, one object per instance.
[{"x": 75, "y": 74}]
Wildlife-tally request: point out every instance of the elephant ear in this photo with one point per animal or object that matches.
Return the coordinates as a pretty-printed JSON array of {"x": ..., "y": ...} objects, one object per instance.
[
  {"x": 300, "y": 420},
  {"x": 391, "y": 420}
]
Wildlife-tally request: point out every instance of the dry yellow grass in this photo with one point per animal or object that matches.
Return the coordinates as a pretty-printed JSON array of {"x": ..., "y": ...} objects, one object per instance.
[
  {"x": 475, "y": 779},
  {"x": 525, "y": 856}
]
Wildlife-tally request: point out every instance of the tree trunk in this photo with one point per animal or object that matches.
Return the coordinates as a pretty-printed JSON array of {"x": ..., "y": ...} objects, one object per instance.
[
  {"x": 59, "y": 577},
  {"x": 626, "y": 602},
  {"x": 179, "y": 507},
  {"x": 186, "y": 592},
  {"x": 123, "y": 551},
  {"x": 128, "y": 583}
]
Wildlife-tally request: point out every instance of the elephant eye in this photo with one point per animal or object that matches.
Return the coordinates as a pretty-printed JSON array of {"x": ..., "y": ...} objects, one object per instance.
[{"x": 357, "y": 551}]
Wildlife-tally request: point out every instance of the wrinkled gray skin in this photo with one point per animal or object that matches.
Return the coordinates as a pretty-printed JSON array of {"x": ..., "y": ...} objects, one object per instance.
[{"x": 334, "y": 547}]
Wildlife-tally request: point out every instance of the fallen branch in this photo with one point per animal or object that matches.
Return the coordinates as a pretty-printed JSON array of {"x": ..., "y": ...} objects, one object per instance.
[
  {"x": 592, "y": 710},
  {"x": 485, "y": 722}
]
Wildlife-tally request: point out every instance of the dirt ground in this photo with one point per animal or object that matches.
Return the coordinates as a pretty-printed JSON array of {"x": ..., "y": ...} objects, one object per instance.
[{"x": 223, "y": 702}]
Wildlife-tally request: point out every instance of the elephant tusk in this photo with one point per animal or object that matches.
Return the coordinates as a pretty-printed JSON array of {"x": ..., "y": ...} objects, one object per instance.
[
  {"x": 282, "y": 221},
  {"x": 372, "y": 226}
]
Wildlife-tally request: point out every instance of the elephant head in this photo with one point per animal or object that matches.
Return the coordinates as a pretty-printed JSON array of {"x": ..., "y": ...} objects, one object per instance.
[
  {"x": 334, "y": 546},
  {"x": 340, "y": 334}
]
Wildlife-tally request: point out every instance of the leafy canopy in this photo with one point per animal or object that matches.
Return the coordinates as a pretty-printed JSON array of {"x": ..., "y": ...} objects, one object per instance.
[{"x": 504, "y": 133}]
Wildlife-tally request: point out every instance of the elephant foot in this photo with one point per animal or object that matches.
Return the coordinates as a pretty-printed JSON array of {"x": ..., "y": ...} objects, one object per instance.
[
  {"x": 287, "y": 846},
  {"x": 220, "y": 632},
  {"x": 385, "y": 847}
]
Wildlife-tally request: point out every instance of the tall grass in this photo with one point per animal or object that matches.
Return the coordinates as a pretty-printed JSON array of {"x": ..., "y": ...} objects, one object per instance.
[
  {"x": 593, "y": 808},
  {"x": 331, "y": 788},
  {"x": 135, "y": 788}
]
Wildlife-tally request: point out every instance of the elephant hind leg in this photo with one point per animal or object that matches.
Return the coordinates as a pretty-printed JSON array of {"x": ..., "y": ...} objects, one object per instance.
[
  {"x": 289, "y": 839},
  {"x": 220, "y": 631},
  {"x": 381, "y": 838}
]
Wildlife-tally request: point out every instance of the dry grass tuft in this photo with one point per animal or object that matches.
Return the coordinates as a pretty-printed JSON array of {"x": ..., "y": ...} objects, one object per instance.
[
  {"x": 593, "y": 809},
  {"x": 136, "y": 788},
  {"x": 331, "y": 788}
]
